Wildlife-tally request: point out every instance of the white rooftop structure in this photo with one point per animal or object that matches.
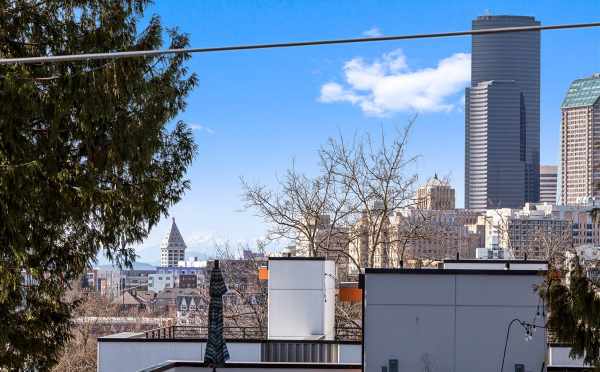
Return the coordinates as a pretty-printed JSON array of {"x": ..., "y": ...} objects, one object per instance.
[
  {"x": 301, "y": 298},
  {"x": 172, "y": 248}
]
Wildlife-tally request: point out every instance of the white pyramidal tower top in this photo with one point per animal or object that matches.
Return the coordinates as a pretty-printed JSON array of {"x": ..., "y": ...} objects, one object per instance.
[{"x": 172, "y": 248}]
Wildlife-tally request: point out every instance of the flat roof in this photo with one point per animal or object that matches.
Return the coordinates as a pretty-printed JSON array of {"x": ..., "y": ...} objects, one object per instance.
[
  {"x": 496, "y": 261},
  {"x": 297, "y": 258},
  {"x": 170, "y": 364},
  {"x": 233, "y": 341},
  {"x": 454, "y": 271}
]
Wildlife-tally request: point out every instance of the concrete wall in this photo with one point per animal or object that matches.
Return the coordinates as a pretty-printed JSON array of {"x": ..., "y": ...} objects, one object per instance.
[
  {"x": 447, "y": 321},
  {"x": 558, "y": 356},
  {"x": 301, "y": 301},
  {"x": 127, "y": 356},
  {"x": 116, "y": 354}
]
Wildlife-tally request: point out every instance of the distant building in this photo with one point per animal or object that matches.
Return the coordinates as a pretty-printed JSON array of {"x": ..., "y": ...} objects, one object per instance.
[
  {"x": 526, "y": 231},
  {"x": 585, "y": 231},
  {"x": 110, "y": 282},
  {"x": 435, "y": 234},
  {"x": 161, "y": 281},
  {"x": 136, "y": 279},
  {"x": 548, "y": 183},
  {"x": 415, "y": 234},
  {"x": 190, "y": 306},
  {"x": 192, "y": 262},
  {"x": 172, "y": 248},
  {"x": 580, "y": 138},
  {"x": 502, "y": 115},
  {"x": 187, "y": 281},
  {"x": 436, "y": 194},
  {"x": 331, "y": 242},
  {"x": 495, "y": 159}
]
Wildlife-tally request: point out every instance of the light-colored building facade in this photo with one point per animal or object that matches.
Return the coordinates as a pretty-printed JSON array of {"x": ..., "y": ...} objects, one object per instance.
[
  {"x": 528, "y": 231},
  {"x": 436, "y": 194},
  {"x": 585, "y": 230},
  {"x": 413, "y": 235},
  {"x": 435, "y": 234},
  {"x": 548, "y": 183},
  {"x": 580, "y": 141},
  {"x": 161, "y": 281},
  {"x": 502, "y": 125},
  {"x": 536, "y": 226},
  {"x": 172, "y": 248}
]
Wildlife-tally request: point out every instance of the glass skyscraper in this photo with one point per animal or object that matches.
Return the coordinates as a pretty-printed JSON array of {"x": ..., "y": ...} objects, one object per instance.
[{"x": 502, "y": 116}]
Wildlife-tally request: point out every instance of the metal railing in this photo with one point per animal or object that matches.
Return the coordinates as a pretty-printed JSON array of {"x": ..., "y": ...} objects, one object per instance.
[
  {"x": 348, "y": 334},
  {"x": 299, "y": 352},
  {"x": 195, "y": 331}
]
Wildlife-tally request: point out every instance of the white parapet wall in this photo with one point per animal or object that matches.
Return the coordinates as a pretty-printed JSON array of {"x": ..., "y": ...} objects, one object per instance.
[
  {"x": 130, "y": 352},
  {"x": 484, "y": 264},
  {"x": 301, "y": 298},
  {"x": 117, "y": 354},
  {"x": 559, "y": 357},
  {"x": 183, "y": 366}
]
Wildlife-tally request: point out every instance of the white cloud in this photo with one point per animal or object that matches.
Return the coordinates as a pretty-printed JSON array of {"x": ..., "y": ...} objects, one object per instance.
[
  {"x": 387, "y": 84},
  {"x": 202, "y": 128},
  {"x": 373, "y": 32}
]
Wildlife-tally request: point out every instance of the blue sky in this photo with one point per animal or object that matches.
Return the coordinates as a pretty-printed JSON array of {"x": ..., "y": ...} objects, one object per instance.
[{"x": 256, "y": 111}]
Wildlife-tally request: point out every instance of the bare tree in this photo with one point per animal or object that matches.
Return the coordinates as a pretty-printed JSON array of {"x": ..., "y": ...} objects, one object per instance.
[
  {"x": 297, "y": 208},
  {"x": 344, "y": 212},
  {"x": 374, "y": 173},
  {"x": 245, "y": 304}
]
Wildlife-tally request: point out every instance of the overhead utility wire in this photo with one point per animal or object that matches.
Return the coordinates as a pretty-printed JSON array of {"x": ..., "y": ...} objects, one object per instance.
[{"x": 150, "y": 53}]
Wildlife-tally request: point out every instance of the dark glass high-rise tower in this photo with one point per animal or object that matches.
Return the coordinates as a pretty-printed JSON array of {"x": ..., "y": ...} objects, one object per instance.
[{"x": 502, "y": 120}]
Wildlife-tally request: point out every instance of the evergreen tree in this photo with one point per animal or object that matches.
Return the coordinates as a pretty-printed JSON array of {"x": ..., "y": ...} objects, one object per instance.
[
  {"x": 87, "y": 163},
  {"x": 574, "y": 316}
]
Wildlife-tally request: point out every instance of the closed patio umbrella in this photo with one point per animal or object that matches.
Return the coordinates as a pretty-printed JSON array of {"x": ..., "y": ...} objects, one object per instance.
[{"x": 216, "y": 350}]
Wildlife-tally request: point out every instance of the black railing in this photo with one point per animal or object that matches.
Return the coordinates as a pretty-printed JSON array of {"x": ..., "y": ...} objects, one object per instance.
[
  {"x": 348, "y": 334},
  {"x": 195, "y": 331}
]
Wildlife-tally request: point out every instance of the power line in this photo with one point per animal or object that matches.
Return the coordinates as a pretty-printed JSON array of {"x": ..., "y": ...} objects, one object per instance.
[{"x": 151, "y": 53}]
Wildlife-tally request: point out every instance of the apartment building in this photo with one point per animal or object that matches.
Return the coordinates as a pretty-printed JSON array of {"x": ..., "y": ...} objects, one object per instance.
[
  {"x": 528, "y": 231},
  {"x": 580, "y": 141},
  {"x": 435, "y": 234}
]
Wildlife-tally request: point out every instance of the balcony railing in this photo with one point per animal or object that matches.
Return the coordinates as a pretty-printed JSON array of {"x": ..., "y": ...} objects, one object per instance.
[
  {"x": 195, "y": 331},
  {"x": 348, "y": 333}
]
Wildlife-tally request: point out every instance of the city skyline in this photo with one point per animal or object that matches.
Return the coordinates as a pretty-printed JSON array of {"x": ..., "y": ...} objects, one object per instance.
[{"x": 269, "y": 123}]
